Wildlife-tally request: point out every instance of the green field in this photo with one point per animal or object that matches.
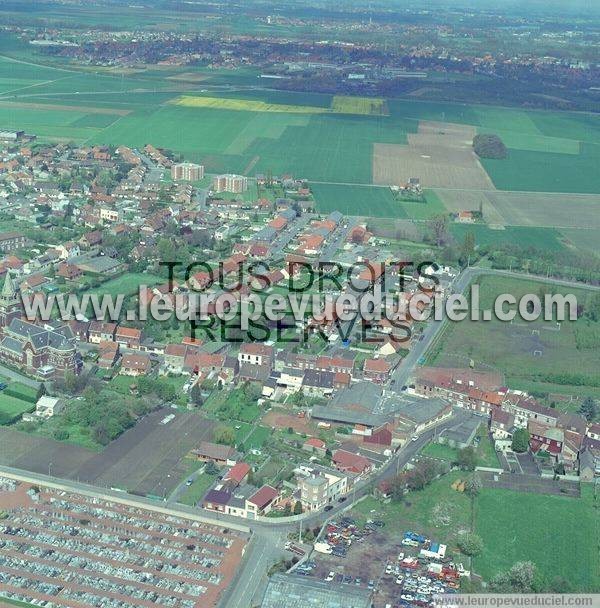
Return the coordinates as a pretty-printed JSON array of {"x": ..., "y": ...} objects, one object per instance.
[
  {"x": 126, "y": 284},
  {"x": 545, "y": 239},
  {"x": 569, "y": 355},
  {"x": 15, "y": 400},
  {"x": 11, "y": 408},
  {"x": 316, "y": 136},
  {"x": 516, "y": 526}
]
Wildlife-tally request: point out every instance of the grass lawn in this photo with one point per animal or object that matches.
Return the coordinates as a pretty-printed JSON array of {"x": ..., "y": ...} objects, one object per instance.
[
  {"x": 545, "y": 239},
  {"x": 197, "y": 490},
  {"x": 417, "y": 512},
  {"x": 257, "y": 438},
  {"x": 373, "y": 201},
  {"x": 441, "y": 451},
  {"x": 232, "y": 406},
  {"x": 11, "y": 408},
  {"x": 559, "y": 534},
  {"x": 126, "y": 284},
  {"x": 568, "y": 356}
]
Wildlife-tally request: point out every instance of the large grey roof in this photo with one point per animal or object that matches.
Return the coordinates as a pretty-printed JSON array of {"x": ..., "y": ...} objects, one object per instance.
[
  {"x": 293, "y": 591},
  {"x": 58, "y": 339},
  {"x": 348, "y": 416}
]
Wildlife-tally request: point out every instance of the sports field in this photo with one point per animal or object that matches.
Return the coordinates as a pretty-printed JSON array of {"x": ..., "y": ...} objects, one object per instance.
[{"x": 530, "y": 354}]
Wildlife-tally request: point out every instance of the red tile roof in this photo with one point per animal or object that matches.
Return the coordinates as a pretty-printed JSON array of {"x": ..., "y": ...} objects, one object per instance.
[
  {"x": 264, "y": 497},
  {"x": 238, "y": 472}
]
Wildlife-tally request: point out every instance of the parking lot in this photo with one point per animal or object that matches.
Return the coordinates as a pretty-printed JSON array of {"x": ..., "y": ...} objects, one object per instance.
[{"x": 393, "y": 569}]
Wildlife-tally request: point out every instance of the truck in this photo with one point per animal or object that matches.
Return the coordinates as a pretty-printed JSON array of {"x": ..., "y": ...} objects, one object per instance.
[
  {"x": 294, "y": 548},
  {"x": 323, "y": 548}
]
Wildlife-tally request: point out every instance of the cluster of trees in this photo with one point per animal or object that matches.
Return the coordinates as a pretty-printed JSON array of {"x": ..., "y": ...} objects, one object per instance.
[
  {"x": 589, "y": 409},
  {"x": 153, "y": 386},
  {"x": 488, "y": 145},
  {"x": 523, "y": 577},
  {"x": 105, "y": 416},
  {"x": 417, "y": 478},
  {"x": 520, "y": 441},
  {"x": 225, "y": 435}
]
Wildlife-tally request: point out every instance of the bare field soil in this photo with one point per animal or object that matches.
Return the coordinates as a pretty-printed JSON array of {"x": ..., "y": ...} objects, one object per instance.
[
  {"x": 189, "y": 77},
  {"x": 40, "y": 454},
  {"x": 461, "y": 200},
  {"x": 527, "y": 208},
  {"x": 543, "y": 209},
  {"x": 150, "y": 457},
  {"x": 440, "y": 154}
]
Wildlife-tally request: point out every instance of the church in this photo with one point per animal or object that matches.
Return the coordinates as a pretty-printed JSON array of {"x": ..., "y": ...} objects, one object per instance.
[{"x": 45, "y": 351}]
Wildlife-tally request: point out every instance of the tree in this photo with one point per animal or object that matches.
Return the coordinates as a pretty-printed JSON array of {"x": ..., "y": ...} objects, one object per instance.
[
  {"x": 298, "y": 508},
  {"x": 489, "y": 145},
  {"x": 211, "y": 468},
  {"x": 224, "y": 435},
  {"x": 196, "y": 395},
  {"x": 519, "y": 579},
  {"x": 397, "y": 488},
  {"x": 467, "y": 458},
  {"x": 439, "y": 226},
  {"x": 470, "y": 544},
  {"x": 421, "y": 475},
  {"x": 589, "y": 409},
  {"x": 473, "y": 485},
  {"x": 520, "y": 441}
]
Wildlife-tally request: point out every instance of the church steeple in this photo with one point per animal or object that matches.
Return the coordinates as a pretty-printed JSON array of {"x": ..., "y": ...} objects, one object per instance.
[
  {"x": 8, "y": 289},
  {"x": 10, "y": 306}
]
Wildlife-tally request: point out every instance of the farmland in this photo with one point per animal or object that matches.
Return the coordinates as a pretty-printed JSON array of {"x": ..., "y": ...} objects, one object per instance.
[
  {"x": 514, "y": 527},
  {"x": 531, "y": 353},
  {"x": 321, "y": 137}
]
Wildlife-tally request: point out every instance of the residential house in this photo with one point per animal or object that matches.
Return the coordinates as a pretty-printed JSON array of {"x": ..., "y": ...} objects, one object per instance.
[
  {"x": 220, "y": 454},
  {"x": 349, "y": 462},
  {"x": 102, "y": 332},
  {"x": 135, "y": 365},
  {"x": 261, "y": 502},
  {"x": 318, "y": 383},
  {"x": 314, "y": 445},
  {"x": 255, "y": 353},
  {"x": 376, "y": 370},
  {"x": 128, "y": 337}
]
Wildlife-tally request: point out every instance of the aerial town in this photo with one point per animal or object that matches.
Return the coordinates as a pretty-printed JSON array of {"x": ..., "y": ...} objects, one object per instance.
[{"x": 232, "y": 371}]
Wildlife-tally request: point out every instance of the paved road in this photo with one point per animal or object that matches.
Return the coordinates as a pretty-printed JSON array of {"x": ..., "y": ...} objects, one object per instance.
[{"x": 7, "y": 372}]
